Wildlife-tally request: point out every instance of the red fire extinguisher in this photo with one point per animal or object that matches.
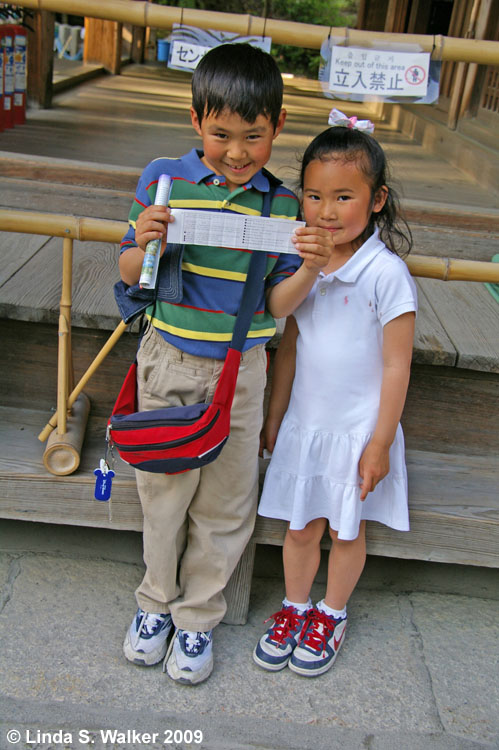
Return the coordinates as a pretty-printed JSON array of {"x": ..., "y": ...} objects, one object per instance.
[
  {"x": 20, "y": 53},
  {"x": 7, "y": 39},
  {"x": 1, "y": 84}
]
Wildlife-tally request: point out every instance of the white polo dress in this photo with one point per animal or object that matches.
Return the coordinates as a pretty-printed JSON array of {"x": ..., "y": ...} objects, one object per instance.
[{"x": 334, "y": 402}]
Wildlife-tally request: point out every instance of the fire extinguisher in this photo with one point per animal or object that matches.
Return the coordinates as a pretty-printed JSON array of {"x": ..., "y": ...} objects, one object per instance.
[
  {"x": 7, "y": 39},
  {"x": 20, "y": 53},
  {"x": 2, "y": 116}
]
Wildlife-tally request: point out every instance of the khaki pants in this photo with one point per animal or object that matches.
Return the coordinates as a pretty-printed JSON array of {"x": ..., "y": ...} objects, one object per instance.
[{"x": 197, "y": 524}]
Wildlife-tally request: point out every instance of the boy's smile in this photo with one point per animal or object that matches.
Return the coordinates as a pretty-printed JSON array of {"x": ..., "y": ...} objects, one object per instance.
[{"x": 236, "y": 148}]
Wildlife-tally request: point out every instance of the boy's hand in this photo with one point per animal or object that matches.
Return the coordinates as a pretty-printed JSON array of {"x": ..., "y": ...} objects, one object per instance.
[
  {"x": 268, "y": 435},
  {"x": 314, "y": 245},
  {"x": 152, "y": 224},
  {"x": 374, "y": 465}
]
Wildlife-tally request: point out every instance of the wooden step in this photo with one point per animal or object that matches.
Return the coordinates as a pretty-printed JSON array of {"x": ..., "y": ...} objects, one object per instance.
[{"x": 454, "y": 503}]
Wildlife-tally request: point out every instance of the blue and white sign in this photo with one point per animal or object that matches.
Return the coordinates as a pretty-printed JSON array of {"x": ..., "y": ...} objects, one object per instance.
[
  {"x": 368, "y": 74},
  {"x": 364, "y": 71},
  {"x": 189, "y": 44}
]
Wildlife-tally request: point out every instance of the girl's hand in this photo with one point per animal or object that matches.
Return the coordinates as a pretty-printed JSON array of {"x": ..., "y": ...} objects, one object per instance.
[
  {"x": 374, "y": 465},
  {"x": 314, "y": 245},
  {"x": 268, "y": 435},
  {"x": 152, "y": 224}
]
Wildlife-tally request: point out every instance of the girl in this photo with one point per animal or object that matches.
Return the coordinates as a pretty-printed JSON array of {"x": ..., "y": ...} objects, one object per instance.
[{"x": 339, "y": 387}]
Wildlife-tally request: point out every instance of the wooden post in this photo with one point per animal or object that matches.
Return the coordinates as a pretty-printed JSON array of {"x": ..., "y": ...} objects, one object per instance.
[
  {"x": 103, "y": 44},
  {"x": 41, "y": 59},
  {"x": 139, "y": 41},
  {"x": 140, "y": 35},
  {"x": 481, "y": 31},
  {"x": 462, "y": 68}
]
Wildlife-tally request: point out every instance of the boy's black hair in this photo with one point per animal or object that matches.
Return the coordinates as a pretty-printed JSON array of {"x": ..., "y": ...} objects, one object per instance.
[
  {"x": 349, "y": 144},
  {"x": 240, "y": 79}
]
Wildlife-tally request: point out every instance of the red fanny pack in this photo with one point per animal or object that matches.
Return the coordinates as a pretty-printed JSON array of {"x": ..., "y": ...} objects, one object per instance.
[{"x": 179, "y": 438}]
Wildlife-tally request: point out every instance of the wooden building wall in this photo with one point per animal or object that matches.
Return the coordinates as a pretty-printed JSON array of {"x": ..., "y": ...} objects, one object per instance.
[{"x": 466, "y": 89}]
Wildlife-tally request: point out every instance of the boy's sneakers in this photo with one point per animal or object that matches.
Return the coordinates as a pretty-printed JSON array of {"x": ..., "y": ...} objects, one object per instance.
[
  {"x": 191, "y": 657},
  {"x": 274, "y": 649},
  {"x": 145, "y": 641},
  {"x": 319, "y": 645}
]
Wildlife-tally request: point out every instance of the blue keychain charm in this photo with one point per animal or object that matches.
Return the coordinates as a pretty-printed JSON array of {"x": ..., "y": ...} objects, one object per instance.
[{"x": 103, "y": 481}]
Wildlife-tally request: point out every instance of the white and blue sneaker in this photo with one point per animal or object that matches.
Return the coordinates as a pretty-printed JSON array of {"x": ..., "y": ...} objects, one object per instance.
[
  {"x": 319, "y": 644},
  {"x": 190, "y": 660},
  {"x": 273, "y": 650},
  {"x": 145, "y": 641}
]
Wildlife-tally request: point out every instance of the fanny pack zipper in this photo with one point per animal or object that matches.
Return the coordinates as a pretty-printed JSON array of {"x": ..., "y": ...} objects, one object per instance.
[{"x": 170, "y": 443}]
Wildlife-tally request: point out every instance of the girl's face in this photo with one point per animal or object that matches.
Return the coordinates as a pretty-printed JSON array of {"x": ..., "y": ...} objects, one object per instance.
[{"x": 337, "y": 197}]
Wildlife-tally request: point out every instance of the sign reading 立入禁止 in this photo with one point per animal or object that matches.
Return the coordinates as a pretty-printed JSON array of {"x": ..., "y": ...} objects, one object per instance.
[{"x": 378, "y": 73}]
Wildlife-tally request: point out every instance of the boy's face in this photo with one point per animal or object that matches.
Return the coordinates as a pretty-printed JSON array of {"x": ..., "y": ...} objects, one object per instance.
[{"x": 236, "y": 148}]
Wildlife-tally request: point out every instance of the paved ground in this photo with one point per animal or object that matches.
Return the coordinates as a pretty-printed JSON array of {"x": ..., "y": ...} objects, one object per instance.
[{"x": 418, "y": 669}]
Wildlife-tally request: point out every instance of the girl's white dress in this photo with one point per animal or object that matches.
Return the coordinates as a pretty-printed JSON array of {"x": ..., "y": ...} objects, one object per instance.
[{"x": 334, "y": 402}]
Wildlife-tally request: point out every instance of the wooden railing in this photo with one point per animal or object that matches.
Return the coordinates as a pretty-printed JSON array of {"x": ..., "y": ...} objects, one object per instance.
[
  {"x": 282, "y": 32},
  {"x": 62, "y": 453}
]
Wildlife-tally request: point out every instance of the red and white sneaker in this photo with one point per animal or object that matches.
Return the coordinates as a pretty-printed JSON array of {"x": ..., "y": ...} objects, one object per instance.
[
  {"x": 273, "y": 650},
  {"x": 318, "y": 645}
]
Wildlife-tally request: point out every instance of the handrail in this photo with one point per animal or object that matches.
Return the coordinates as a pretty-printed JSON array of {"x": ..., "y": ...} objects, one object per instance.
[
  {"x": 104, "y": 230},
  {"x": 139, "y": 13}
]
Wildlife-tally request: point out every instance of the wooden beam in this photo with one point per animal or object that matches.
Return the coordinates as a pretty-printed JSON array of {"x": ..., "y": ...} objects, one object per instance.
[{"x": 41, "y": 59}]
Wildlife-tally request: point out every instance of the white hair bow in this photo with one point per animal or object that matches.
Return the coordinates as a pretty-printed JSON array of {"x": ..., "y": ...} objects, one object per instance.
[{"x": 339, "y": 118}]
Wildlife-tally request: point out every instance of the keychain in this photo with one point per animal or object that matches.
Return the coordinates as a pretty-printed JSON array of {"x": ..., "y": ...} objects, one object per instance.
[{"x": 104, "y": 481}]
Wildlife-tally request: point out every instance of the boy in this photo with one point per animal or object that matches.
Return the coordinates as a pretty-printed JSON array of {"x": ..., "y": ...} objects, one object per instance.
[{"x": 197, "y": 524}]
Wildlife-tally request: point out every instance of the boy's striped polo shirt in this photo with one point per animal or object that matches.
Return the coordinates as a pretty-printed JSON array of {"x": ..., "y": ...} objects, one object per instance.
[{"x": 213, "y": 277}]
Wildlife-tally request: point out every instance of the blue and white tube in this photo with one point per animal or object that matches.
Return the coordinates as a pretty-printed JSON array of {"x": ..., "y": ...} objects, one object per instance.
[{"x": 149, "y": 272}]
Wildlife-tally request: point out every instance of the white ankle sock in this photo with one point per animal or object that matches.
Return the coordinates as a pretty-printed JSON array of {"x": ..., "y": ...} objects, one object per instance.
[
  {"x": 300, "y": 607},
  {"x": 336, "y": 613}
]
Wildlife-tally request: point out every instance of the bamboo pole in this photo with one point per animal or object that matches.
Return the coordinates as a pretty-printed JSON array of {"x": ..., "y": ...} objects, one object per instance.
[
  {"x": 52, "y": 423},
  {"x": 452, "y": 269},
  {"x": 60, "y": 225},
  {"x": 139, "y": 13},
  {"x": 104, "y": 230},
  {"x": 63, "y": 452},
  {"x": 64, "y": 357}
]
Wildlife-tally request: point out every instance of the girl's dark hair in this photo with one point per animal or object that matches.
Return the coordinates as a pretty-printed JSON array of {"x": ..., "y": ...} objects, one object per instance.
[
  {"x": 349, "y": 144},
  {"x": 238, "y": 78}
]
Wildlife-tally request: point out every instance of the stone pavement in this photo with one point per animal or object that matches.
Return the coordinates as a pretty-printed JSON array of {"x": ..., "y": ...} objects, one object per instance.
[{"x": 418, "y": 670}]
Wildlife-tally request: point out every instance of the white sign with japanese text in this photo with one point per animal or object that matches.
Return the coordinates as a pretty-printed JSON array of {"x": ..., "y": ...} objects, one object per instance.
[
  {"x": 188, "y": 44},
  {"x": 378, "y": 73},
  {"x": 185, "y": 55}
]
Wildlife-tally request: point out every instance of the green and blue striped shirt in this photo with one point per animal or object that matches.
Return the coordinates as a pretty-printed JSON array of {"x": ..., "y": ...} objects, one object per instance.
[{"x": 213, "y": 277}]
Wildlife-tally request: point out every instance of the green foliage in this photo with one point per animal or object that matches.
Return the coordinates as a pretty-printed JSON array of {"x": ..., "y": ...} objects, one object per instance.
[
  {"x": 297, "y": 60},
  {"x": 303, "y": 61}
]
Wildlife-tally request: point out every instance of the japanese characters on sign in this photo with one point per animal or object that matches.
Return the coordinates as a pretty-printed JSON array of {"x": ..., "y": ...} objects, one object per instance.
[
  {"x": 186, "y": 55},
  {"x": 189, "y": 44},
  {"x": 378, "y": 73}
]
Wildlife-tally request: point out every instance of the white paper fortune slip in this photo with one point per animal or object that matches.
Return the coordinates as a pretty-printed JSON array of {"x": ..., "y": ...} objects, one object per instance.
[{"x": 232, "y": 230}]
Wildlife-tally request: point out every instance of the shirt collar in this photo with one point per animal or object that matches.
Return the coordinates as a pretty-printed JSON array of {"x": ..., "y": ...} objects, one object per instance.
[
  {"x": 196, "y": 170},
  {"x": 359, "y": 260}
]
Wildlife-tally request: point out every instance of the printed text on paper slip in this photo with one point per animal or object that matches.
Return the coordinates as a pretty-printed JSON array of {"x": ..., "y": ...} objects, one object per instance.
[{"x": 232, "y": 230}]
